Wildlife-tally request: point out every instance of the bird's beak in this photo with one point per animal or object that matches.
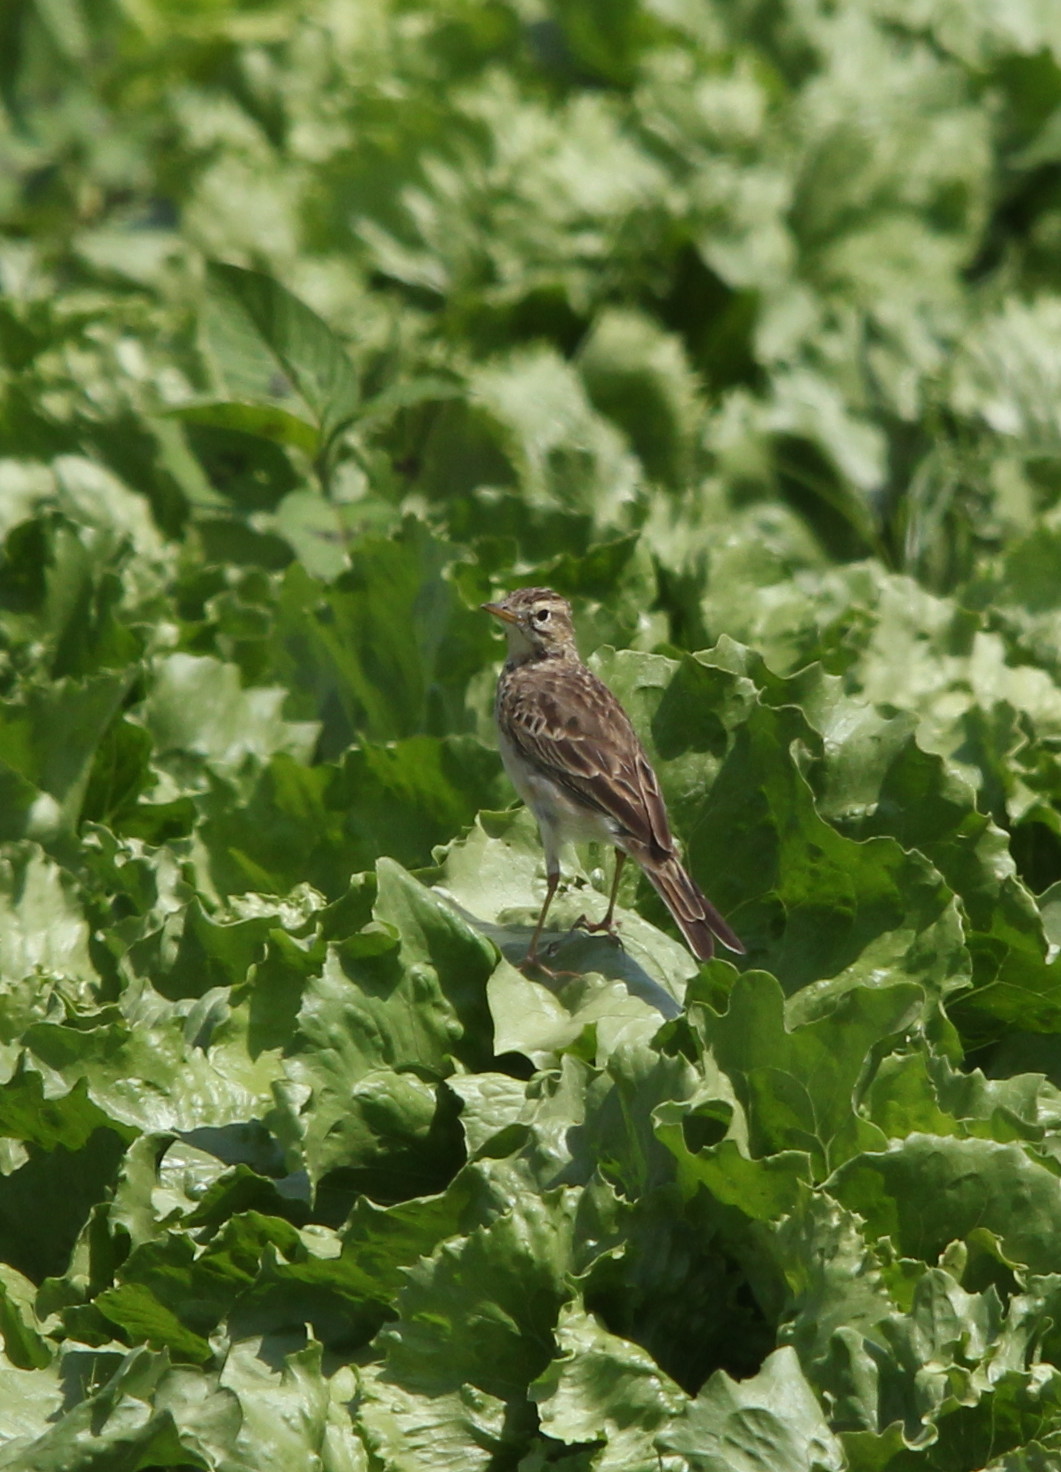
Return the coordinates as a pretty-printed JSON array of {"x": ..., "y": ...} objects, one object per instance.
[{"x": 499, "y": 611}]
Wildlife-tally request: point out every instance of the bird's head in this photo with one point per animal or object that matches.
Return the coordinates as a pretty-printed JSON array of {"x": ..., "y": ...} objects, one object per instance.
[{"x": 537, "y": 622}]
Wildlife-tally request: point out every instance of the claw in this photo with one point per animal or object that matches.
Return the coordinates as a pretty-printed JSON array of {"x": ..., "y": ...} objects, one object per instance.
[
  {"x": 531, "y": 964},
  {"x": 595, "y": 927}
]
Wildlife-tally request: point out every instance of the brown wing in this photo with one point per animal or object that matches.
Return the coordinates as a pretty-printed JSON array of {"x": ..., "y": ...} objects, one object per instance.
[{"x": 570, "y": 724}]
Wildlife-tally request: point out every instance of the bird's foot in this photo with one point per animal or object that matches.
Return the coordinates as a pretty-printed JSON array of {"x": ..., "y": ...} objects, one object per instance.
[
  {"x": 595, "y": 927},
  {"x": 533, "y": 962},
  {"x": 534, "y": 965}
]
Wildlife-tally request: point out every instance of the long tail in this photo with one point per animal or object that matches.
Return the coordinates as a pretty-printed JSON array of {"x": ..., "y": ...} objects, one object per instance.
[{"x": 694, "y": 914}]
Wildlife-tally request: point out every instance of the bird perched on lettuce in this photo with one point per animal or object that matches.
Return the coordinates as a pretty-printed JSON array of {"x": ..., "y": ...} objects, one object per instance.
[{"x": 576, "y": 761}]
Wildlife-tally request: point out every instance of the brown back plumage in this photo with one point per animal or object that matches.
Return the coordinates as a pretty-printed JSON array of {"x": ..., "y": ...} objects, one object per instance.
[{"x": 570, "y": 725}]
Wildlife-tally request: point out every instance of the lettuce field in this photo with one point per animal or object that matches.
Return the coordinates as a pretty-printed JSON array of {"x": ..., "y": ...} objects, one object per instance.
[{"x": 738, "y": 322}]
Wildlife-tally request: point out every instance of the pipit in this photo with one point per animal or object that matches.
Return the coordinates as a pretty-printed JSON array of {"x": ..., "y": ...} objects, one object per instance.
[{"x": 576, "y": 761}]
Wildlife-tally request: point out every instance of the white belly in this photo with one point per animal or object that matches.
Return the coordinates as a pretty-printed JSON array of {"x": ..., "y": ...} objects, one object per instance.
[{"x": 560, "y": 818}]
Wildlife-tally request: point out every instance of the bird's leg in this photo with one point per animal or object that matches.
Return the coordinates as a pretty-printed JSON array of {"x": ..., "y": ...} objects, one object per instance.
[
  {"x": 552, "y": 879},
  {"x": 620, "y": 860},
  {"x": 607, "y": 923}
]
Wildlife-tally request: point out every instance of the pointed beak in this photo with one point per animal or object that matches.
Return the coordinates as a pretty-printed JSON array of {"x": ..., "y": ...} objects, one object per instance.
[{"x": 499, "y": 611}]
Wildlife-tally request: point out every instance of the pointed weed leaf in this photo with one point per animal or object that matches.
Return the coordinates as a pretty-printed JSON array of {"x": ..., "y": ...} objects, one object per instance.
[
  {"x": 227, "y": 438},
  {"x": 319, "y": 531},
  {"x": 383, "y": 406},
  {"x": 271, "y": 348},
  {"x": 242, "y": 452}
]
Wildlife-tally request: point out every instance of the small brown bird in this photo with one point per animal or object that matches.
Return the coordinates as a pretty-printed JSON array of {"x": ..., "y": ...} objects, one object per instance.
[{"x": 577, "y": 763}]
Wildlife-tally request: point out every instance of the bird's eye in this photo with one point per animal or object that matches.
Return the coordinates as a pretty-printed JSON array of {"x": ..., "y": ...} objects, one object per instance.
[{"x": 541, "y": 615}]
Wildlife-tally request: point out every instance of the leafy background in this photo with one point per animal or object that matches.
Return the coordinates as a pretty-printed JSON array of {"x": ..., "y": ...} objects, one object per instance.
[{"x": 740, "y": 323}]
